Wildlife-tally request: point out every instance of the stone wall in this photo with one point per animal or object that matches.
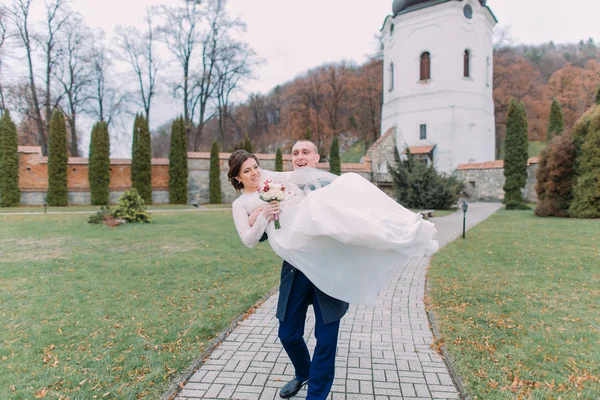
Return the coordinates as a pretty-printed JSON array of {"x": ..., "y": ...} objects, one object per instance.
[
  {"x": 33, "y": 176},
  {"x": 484, "y": 182}
]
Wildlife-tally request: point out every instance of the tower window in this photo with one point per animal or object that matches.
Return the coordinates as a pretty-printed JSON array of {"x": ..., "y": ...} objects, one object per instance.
[
  {"x": 423, "y": 132},
  {"x": 391, "y": 29},
  {"x": 391, "y": 77},
  {"x": 466, "y": 62},
  {"x": 425, "y": 66}
]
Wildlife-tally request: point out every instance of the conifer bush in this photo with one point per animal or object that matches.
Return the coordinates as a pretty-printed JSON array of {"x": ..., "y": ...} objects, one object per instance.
[
  {"x": 335, "y": 165},
  {"x": 178, "y": 164},
  {"x": 515, "y": 152},
  {"x": 278, "y": 161},
  {"x": 57, "y": 161},
  {"x": 557, "y": 121},
  {"x": 99, "y": 164},
  {"x": 215, "y": 175},
  {"x": 141, "y": 163},
  {"x": 10, "y": 195}
]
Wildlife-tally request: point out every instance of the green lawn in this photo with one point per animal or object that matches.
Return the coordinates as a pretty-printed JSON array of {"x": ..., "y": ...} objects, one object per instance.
[
  {"x": 154, "y": 207},
  {"x": 518, "y": 306},
  {"x": 535, "y": 148},
  {"x": 88, "y": 310},
  {"x": 354, "y": 153}
]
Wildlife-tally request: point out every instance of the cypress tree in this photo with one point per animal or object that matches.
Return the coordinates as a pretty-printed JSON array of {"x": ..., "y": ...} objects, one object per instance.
[
  {"x": 515, "y": 152},
  {"x": 57, "y": 161},
  {"x": 215, "y": 175},
  {"x": 248, "y": 146},
  {"x": 308, "y": 134},
  {"x": 141, "y": 163},
  {"x": 557, "y": 121},
  {"x": 99, "y": 167},
  {"x": 598, "y": 95},
  {"x": 278, "y": 160},
  {"x": 10, "y": 195},
  {"x": 178, "y": 164},
  {"x": 335, "y": 165}
]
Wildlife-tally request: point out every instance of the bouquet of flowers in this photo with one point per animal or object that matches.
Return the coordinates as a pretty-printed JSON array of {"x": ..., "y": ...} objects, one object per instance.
[{"x": 272, "y": 191}]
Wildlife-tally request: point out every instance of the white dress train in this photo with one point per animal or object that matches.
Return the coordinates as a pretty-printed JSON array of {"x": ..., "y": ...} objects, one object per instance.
[{"x": 348, "y": 237}]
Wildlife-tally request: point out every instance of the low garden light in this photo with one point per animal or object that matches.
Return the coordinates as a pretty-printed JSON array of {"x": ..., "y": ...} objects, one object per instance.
[{"x": 465, "y": 207}]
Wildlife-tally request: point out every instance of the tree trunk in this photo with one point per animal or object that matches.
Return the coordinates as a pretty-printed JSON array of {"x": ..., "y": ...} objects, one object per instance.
[{"x": 36, "y": 107}]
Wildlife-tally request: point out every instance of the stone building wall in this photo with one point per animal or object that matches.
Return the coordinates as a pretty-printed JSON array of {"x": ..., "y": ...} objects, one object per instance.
[{"x": 484, "y": 182}]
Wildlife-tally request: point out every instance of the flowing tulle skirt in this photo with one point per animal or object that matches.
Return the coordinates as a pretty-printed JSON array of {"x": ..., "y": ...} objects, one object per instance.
[{"x": 349, "y": 238}]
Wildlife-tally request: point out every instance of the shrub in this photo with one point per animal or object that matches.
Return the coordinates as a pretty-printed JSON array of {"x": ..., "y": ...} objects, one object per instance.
[
  {"x": 57, "y": 161},
  {"x": 586, "y": 192},
  {"x": 131, "y": 208},
  {"x": 555, "y": 177},
  {"x": 100, "y": 216},
  {"x": 178, "y": 164},
  {"x": 515, "y": 152},
  {"x": 516, "y": 205},
  {"x": 214, "y": 182},
  {"x": 278, "y": 160},
  {"x": 10, "y": 195},
  {"x": 99, "y": 166},
  {"x": 420, "y": 186},
  {"x": 335, "y": 165}
]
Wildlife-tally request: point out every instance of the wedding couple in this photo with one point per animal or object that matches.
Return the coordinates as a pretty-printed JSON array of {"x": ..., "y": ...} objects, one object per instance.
[{"x": 341, "y": 240}]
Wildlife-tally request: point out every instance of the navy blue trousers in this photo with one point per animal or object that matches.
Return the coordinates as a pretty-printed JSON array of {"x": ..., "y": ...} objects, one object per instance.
[{"x": 320, "y": 371}]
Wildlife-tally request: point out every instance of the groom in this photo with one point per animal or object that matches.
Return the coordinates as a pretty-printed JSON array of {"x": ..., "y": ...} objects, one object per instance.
[{"x": 296, "y": 292}]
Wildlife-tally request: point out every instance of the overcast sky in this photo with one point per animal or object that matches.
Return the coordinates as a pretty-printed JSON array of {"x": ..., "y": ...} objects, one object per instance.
[{"x": 294, "y": 36}]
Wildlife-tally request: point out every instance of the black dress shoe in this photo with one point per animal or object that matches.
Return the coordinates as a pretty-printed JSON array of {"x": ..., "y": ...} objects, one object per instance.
[{"x": 291, "y": 388}]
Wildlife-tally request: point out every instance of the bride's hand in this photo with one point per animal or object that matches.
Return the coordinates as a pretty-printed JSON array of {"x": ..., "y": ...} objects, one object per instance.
[
  {"x": 254, "y": 215},
  {"x": 270, "y": 210}
]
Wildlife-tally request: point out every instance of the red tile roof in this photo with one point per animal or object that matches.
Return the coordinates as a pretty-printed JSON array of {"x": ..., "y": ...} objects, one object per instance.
[
  {"x": 421, "y": 149},
  {"x": 492, "y": 164}
]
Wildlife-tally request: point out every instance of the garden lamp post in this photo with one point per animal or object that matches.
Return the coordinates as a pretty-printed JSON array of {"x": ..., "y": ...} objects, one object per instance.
[{"x": 465, "y": 207}]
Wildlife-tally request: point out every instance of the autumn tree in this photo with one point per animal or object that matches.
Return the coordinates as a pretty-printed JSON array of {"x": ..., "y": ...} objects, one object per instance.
[
  {"x": 557, "y": 123},
  {"x": 57, "y": 161},
  {"x": 515, "y": 152},
  {"x": 214, "y": 183},
  {"x": 178, "y": 164},
  {"x": 555, "y": 176},
  {"x": 335, "y": 166},
  {"x": 10, "y": 195},
  {"x": 99, "y": 164}
]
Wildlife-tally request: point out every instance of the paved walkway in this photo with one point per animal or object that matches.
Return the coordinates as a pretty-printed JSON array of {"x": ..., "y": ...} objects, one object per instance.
[{"x": 383, "y": 352}]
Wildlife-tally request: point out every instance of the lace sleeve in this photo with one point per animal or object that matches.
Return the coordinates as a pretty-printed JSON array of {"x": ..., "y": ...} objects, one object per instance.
[{"x": 250, "y": 235}]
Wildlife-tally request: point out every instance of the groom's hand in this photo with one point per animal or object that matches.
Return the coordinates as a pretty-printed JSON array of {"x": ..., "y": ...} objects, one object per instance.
[{"x": 254, "y": 215}]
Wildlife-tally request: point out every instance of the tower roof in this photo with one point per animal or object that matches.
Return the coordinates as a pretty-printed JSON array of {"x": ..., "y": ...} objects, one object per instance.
[{"x": 406, "y": 6}]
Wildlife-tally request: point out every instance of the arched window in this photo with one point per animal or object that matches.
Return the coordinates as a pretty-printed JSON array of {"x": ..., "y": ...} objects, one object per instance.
[
  {"x": 391, "y": 77},
  {"x": 466, "y": 62},
  {"x": 425, "y": 66}
]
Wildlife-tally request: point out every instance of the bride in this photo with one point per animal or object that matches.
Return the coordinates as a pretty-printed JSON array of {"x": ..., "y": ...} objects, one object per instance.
[{"x": 347, "y": 237}]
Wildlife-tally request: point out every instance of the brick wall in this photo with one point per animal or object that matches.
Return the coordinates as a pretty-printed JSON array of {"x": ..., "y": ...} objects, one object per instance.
[{"x": 33, "y": 176}]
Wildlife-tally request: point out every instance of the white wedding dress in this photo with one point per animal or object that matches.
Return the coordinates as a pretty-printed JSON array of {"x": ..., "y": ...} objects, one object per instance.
[{"x": 347, "y": 237}]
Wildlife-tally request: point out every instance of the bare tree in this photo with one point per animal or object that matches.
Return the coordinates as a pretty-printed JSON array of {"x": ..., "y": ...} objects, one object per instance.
[
  {"x": 371, "y": 97},
  {"x": 181, "y": 32},
  {"x": 106, "y": 99},
  {"x": 235, "y": 65},
  {"x": 139, "y": 52},
  {"x": 3, "y": 35},
  {"x": 55, "y": 20},
  {"x": 336, "y": 80},
  {"x": 19, "y": 14},
  {"x": 314, "y": 92},
  {"x": 73, "y": 73}
]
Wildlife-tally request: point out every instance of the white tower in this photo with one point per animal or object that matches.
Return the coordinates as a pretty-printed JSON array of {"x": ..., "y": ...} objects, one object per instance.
[{"x": 438, "y": 74}]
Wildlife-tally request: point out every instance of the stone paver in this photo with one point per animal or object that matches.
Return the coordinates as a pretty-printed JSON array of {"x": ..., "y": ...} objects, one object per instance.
[{"x": 383, "y": 351}]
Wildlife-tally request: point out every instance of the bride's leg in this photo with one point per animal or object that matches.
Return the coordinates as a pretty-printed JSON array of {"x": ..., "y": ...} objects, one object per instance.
[{"x": 291, "y": 330}]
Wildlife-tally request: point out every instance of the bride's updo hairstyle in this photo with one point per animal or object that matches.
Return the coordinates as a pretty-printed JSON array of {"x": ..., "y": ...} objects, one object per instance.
[{"x": 236, "y": 159}]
